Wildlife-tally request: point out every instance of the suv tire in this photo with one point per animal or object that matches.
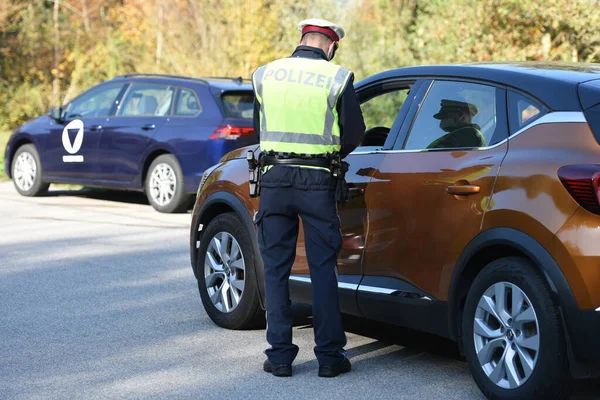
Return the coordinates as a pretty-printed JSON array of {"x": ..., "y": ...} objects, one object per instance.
[
  {"x": 219, "y": 240},
  {"x": 536, "y": 324},
  {"x": 165, "y": 187},
  {"x": 26, "y": 171}
]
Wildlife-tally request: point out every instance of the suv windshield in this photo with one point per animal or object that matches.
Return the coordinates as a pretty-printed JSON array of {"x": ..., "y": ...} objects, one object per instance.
[{"x": 238, "y": 105}]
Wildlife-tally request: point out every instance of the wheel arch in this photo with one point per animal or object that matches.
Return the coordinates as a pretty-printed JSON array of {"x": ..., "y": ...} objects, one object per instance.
[
  {"x": 215, "y": 205},
  {"x": 153, "y": 155},
  {"x": 498, "y": 243},
  {"x": 505, "y": 242},
  {"x": 18, "y": 142}
]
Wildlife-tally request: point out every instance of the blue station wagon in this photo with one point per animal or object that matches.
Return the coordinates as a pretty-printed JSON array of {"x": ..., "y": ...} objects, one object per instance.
[{"x": 151, "y": 133}]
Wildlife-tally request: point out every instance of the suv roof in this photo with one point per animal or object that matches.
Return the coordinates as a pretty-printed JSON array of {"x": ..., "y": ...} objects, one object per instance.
[
  {"x": 541, "y": 79},
  {"x": 223, "y": 83}
]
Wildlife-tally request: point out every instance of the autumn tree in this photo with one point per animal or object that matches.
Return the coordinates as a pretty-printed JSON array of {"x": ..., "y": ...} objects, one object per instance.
[{"x": 52, "y": 50}]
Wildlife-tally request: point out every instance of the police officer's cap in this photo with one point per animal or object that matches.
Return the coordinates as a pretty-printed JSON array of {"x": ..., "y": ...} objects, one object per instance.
[
  {"x": 333, "y": 31},
  {"x": 453, "y": 106}
]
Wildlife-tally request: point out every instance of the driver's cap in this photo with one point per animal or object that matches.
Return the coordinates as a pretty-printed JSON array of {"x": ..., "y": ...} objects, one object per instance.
[{"x": 451, "y": 106}]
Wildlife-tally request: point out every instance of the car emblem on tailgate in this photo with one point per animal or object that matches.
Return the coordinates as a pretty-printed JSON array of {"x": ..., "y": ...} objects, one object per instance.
[{"x": 74, "y": 126}]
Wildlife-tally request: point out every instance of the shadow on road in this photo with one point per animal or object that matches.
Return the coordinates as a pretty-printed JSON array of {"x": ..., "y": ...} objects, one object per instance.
[
  {"x": 120, "y": 196},
  {"x": 414, "y": 343},
  {"x": 110, "y": 195},
  {"x": 385, "y": 333}
]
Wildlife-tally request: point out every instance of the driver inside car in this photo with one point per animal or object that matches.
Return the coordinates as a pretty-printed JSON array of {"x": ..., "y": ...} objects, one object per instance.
[{"x": 456, "y": 118}]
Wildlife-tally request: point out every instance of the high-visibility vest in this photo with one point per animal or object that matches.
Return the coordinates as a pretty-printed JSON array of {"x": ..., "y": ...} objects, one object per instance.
[{"x": 298, "y": 98}]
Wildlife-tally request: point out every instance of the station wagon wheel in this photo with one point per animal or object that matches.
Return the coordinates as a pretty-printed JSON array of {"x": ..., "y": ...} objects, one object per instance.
[
  {"x": 162, "y": 184},
  {"x": 165, "y": 187},
  {"x": 512, "y": 334},
  {"x": 226, "y": 271},
  {"x": 26, "y": 171}
]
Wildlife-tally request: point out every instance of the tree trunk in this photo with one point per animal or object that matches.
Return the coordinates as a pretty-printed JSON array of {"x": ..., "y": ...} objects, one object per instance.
[
  {"x": 159, "y": 34},
  {"x": 86, "y": 17},
  {"x": 546, "y": 46},
  {"x": 56, "y": 70}
]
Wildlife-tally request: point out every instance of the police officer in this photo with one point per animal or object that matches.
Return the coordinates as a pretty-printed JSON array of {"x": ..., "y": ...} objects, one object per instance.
[
  {"x": 306, "y": 112},
  {"x": 456, "y": 118}
]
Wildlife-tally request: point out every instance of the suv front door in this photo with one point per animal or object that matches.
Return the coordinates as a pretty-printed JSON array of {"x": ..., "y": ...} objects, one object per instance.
[
  {"x": 428, "y": 199},
  {"x": 384, "y": 106}
]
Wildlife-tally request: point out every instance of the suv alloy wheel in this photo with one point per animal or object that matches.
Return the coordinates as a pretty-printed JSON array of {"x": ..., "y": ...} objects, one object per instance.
[
  {"x": 227, "y": 269},
  {"x": 507, "y": 340},
  {"x": 512, "y": 335},
  {"x": 224, "y": 272}
]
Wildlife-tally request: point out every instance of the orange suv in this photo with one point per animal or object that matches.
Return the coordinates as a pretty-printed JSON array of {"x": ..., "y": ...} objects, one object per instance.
[{"x": 475, "y": 216}]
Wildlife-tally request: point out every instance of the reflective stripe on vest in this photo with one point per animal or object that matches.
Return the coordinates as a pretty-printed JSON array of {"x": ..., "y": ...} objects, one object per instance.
[{"x": 298, "y": 98}]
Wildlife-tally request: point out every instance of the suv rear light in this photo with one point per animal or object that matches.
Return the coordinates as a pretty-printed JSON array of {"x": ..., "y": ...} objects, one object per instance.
[
  {"x": 583, "y": 183},
  {"x": 228, "y": 132}
]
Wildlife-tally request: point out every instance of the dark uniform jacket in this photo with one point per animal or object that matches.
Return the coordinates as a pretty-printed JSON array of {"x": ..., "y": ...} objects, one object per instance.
[
  {"x": 467, "y": 136},
  {"x": 352, "y": 128}
]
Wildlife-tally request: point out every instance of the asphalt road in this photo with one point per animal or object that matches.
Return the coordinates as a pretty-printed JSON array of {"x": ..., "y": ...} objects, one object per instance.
[{"x": 98, "y": 300}]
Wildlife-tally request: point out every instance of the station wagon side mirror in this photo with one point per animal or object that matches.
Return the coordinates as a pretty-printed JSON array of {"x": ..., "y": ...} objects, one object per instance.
[{"x": 56, "y": 114}]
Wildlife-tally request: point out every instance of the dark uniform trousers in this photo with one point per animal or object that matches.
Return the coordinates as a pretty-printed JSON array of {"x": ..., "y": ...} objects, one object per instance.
[{"x": 277, "y": 223}]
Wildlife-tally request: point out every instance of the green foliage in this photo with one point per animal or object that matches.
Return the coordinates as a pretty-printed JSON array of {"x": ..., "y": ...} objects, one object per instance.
[
  {"x": 4, "y": 135},
  {"x": 48, "y": 55},
  {"x": 23, "y": 101},
  {"x": 382, "y": 110}
]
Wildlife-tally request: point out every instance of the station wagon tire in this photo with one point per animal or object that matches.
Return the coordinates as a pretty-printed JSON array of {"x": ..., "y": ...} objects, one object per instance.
[
  {"x": 226, "y": 263},
  {"x": 501, "y": 352},
  {"x": 26, "y": 171},
  {"x": 165, "y": 187}
]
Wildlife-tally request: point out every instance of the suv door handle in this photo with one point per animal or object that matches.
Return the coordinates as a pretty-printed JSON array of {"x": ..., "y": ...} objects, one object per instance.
[
  {"x": 149, "y": 127},
  {"x": 95, "y": 128},
  {"x": 463, "y": 190}
]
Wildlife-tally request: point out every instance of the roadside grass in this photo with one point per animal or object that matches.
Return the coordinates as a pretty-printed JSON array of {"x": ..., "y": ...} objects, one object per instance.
[{"x": 4, "y": 135}]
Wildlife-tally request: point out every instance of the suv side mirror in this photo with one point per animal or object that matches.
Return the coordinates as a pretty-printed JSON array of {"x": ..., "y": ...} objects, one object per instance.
[{"x": 56, "y": 114}]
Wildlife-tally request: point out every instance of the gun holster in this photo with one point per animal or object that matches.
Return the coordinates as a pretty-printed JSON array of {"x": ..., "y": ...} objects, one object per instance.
[
  {"x": 255, "y": 173},
  {"x": 338, "y": 171}
]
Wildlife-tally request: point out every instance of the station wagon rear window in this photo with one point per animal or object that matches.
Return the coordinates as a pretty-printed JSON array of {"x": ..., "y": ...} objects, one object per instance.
[{"x": 239, "y": 105}]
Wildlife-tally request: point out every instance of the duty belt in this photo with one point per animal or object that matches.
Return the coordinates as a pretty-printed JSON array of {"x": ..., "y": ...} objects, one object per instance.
[
  {"x": 308, "y": 162},
  {"x": 334, "y": 164}
]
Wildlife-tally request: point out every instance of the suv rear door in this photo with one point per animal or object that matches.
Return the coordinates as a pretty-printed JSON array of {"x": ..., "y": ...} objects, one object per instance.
[{"x": 428, "y": 197}]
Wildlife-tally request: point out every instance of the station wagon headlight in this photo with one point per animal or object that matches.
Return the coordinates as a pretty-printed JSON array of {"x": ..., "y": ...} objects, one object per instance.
[{"x": 205, "y": 176}]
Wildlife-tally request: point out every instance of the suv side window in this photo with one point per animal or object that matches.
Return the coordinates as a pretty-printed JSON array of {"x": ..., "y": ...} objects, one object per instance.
[
  {"x": 187, "y": 104},
  {"x": 379, "y": 114},
  {"x": 522, "y": 111},
  {"x": 147, "y": 99},
  {"x": 458, "y": 114},
  {"x": 383, "y": 109},
  {"x": 96, "y": 102}
]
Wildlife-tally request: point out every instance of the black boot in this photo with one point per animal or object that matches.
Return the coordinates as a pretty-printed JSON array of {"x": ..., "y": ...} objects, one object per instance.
[
  {"x": 277, "y": 369},
  {"x": 330, "y": 371}
]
